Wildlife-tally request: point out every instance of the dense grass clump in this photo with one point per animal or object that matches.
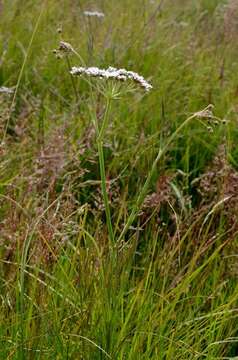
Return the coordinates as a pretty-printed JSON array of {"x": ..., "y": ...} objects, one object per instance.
[{"x": 118, "y": 232}]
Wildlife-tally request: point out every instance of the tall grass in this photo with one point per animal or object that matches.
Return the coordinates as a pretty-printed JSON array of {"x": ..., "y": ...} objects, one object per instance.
[{"x": 119, "y": 243}]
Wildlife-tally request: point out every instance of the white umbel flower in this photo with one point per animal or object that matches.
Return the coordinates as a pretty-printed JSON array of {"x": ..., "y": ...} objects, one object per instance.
[
  {"x": 112, "y": 73},
  {"x": 6, "y": 90},
  {"x": 94, "y": 14}
]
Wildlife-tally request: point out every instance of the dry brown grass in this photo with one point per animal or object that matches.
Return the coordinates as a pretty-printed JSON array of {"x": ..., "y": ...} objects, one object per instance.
[{"x": 231, "y": 20}]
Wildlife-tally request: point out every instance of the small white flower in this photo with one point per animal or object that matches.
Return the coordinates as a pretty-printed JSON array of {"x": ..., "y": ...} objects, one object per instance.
[
  {"x": 6, "y": 90},
  {"x": 94, "y": 14},
  {"x": 112, "y": 73}
]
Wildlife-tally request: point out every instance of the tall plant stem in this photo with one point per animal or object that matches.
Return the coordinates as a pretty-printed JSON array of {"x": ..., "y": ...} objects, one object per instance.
[
  {"x": 146, "y": 185},
  {"x": 20, "y": 76},
  {"x": 100, "y": 135},
  {"x": 72, "y": 79}
]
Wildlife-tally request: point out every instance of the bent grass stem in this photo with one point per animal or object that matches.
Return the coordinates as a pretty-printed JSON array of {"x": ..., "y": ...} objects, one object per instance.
[{"x": 146, "y": 185}]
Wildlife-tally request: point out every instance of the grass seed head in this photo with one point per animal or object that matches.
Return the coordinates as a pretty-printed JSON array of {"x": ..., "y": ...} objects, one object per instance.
[{"x": 231, "y": 19}]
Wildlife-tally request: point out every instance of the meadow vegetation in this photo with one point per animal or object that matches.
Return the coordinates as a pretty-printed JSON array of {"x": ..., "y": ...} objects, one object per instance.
[{"x": 119, "y": 206}]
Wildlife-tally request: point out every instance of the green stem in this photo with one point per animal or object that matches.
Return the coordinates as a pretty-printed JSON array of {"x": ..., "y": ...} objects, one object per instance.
[
  {"x": 146, "y": 185},
  {"x": 72, "y": 79},
  {"x": 104, "y": 190},
  {"x": 100, "y": 134},
  {"x": 20, "y": 76}
]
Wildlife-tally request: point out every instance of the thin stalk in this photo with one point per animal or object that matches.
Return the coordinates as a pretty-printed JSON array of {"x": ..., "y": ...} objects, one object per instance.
[
  {"x": 146, "y": 185},
  {"x": 90, "y": 40},
  {"x": 104, "y": 190},
  {"x": 22, "y": 71},
  {"x": 72, "y": 78},
  {"x": 100, "y": 135}
]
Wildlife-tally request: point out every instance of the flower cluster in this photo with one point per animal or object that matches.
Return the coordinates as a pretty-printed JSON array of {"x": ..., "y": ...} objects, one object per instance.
[
  {"x": 94, "y": 14},
  {"x": 206, "y": 113},
  {"x": 64, "y": 49},
  {"x": 207, "y": 118},
  {"x": 112, "y": 73},
  {"x": 6, "y": 90}
]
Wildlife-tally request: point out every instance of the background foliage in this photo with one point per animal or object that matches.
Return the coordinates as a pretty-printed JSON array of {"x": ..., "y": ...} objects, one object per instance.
[{"x": 169, "y": 290}]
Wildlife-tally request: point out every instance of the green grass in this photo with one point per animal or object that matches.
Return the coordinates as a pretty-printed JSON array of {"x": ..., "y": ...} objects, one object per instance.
[{"x": 119, "y": 241}]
